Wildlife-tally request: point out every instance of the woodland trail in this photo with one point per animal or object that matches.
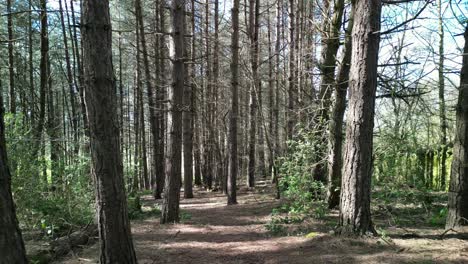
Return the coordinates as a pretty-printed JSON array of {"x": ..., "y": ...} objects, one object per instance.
[{"x": 211, "y": 232}]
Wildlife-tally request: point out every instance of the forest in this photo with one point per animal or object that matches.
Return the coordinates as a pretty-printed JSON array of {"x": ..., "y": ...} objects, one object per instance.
[{"x": 229, "y": 131}]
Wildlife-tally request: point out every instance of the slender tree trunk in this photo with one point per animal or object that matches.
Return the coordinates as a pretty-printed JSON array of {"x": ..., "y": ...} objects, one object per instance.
[
  {"x": 187, "y": 116},
  {"x": 160, "y": 173},
  {"x": 253, "y": 34},
  {"x": 43, "y": 79},
  {"x": 195, "y": 108},
  {"x": 11, "y": 66},
  {"x": 233, "y": 169},
  {"x": 458, "y": 189},
  {"x": 80, "y": 71},
  {"x": 32, "y": 93},
  {"x": 292, "y": 93},
  {"x": 170, "y": 206},
  {"x": 74, "y": 120},
  {"x": 149, "y": 85},
  {"x": 331, "y": 43},
  {"x": 355, "y": 215},
  {"x": 116, "y": 244},
  {"x": 11, "y": 242},
  {"x": 442, "y": 112},
  {"x": 335, "y": 142}
]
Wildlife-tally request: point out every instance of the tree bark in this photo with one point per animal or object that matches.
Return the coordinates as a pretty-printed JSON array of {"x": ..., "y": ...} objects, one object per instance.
[
  {"x": 187, "y": 117},
  {"x": 170, "y": 206},
  {"x": 233, "y": 169},
  {"x": 458, "y": 189},
  {"x": 253, "y": 35},
  {"x": 292, "y": 93},
  {"x": 11, "y": 242},
  {"x": 331, "y": 44},
  {"x": 116, "y": 244},
  {"x": 335, "y": 142},
  {"x": 355, "y": 215}
]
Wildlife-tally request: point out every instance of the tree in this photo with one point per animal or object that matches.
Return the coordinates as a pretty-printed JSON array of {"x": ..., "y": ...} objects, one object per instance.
[
  {"x": 11, "y": 66},
  {"x": 335, "y": 139},
  {"x": 187, "y": 117},
  {"x": 458, "y": 189},
  {"x": 331, "y": 44},
  {"x": 254, "y": 87},
  {"x": 170, "y": 206},
  {"x": 355, "y": 215},
  {"x": 116, "y": 244},
  {"x": 442, "y": 111},
  {"x": 232, "y": 137},
  {"x": 11, "y": 242}
]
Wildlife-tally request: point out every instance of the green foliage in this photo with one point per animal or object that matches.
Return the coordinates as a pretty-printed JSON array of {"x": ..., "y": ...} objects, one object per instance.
[
  {"x": 185, "y": 216},
  {"x": 134, "y": 207},
  {"x": 50, "y": 204},
  {"x": 438, "y": 219},
  {"x": 296, "y": 183}
]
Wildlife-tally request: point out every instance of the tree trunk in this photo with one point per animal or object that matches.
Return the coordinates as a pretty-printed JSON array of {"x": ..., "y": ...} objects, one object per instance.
[
  {"x": 458, "y": 189},
  {"x": 11, "y": 66},
  {"x": 195, "y": 108},
  {"x": 292, "y": 93},
  {"x": 187, "y": 116},
  {"x": 335, "y": 157},
  {"x": 116, "y": 244},
  {"x": 170, "y": 206},
  {"x": 331, "y": 43},
  {"x": 232, "y": 138},
  {"x": 253, "y": 35},
  {"x": 355, "y": 215},
  {"x": 43, "y": 79},
  {"x": 32, "y": 92},
  {"x": 159, "y": 152},
  {"x": 74, "y": 120},
  {"x": 11, "y": 242},
  {"x": 442, "y": 114}
]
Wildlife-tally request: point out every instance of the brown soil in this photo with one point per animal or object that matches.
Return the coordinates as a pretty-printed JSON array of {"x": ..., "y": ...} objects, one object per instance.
[{"x": 212, "y": 232}]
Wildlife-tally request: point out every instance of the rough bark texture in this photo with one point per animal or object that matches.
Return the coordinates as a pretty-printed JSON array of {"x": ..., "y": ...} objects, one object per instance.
[
  {"x": 116, "y": 244},
  {"x": 11, "y": 242},
  {"x": 355, "y": 215},
  {"x": 170, "y": 206},
  {"x": 458, "y": 189},
  {"x": 232, "y": 137},
  {"x": 159, "y": 152},
  {"x": 335, "y": 153}
]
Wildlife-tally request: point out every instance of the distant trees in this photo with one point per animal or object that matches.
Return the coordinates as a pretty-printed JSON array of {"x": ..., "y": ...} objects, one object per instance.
[
  {"x": 355, "y": 215},
  {"x": 458, "y": 188},
  {"x": 116, "y": 244}
]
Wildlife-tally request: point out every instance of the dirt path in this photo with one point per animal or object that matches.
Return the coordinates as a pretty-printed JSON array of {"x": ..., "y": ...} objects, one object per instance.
[{"x": 212, "y": 232}]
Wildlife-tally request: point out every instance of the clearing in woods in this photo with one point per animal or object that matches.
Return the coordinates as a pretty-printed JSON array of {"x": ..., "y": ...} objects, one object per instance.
[{"x": 211, "y": 232}]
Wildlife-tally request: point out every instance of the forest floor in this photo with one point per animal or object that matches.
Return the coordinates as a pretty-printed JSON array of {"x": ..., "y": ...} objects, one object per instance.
[{"x": 211, "y": 232}]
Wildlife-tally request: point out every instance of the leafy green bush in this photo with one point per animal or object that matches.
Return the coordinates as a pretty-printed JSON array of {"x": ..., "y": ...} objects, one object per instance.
[
  {"x": 51, "y": 205},
  {"x": 296, "y": 181}
]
